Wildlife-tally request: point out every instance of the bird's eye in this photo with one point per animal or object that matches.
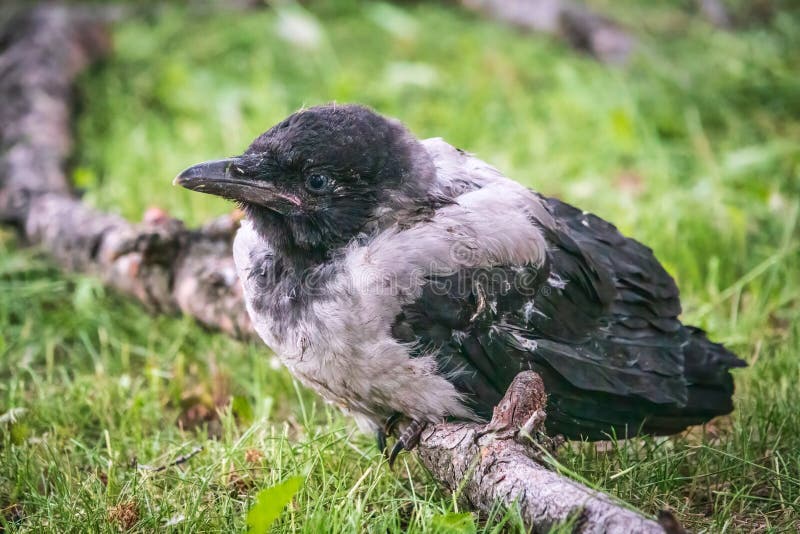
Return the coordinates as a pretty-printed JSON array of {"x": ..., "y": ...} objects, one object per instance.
[{"x": 318, "y": 183}]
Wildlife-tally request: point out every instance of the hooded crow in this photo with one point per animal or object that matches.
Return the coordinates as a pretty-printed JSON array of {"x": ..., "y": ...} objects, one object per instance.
[{"x": 408, "y": 282}]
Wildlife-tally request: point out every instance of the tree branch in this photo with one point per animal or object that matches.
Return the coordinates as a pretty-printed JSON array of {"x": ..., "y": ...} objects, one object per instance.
[
  {"x": 171, "y": 269},
  {"x": 715, "y": 13},
  {"x": 582, "y": 28},
  {"x": 167, "y": 267},
  {"x": 494, "y": 464}
]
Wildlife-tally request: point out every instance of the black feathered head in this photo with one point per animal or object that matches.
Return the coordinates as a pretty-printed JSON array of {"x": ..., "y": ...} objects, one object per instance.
[{"x": 314, "y": 181}]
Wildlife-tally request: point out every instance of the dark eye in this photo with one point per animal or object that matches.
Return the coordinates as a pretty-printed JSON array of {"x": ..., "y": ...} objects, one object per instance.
[{"x": 318, "y": 183}]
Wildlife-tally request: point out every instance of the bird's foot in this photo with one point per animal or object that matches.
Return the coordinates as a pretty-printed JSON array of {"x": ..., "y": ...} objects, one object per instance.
[
  {"x": 388, "y": 428},
  {"x": 407, "y": 440}
]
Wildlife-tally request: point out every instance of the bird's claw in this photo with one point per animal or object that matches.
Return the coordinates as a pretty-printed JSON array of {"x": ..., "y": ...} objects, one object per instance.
[
  {"x": 407, "y": 440},
  {"x": 388, "y": 428},
  {"x": 380, "y": 438}
]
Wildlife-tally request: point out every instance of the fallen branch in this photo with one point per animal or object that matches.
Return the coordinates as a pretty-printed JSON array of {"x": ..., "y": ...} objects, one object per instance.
[
  {"x": 167, "y": 267},
  {"x": 177, "y": 461},
  {"x": 493, "y": 464},
  {"x": 715, "y": 12},
  {"x": 171, "y": 269},
  {"x": 564, "y": 19}
]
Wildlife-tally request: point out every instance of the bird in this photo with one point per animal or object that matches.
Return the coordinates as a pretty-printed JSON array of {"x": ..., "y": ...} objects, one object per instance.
[{"x": 408, "y": 282}]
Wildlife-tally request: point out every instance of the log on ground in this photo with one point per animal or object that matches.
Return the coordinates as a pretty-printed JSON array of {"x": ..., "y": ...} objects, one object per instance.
[{"x": 568, "y": 20}]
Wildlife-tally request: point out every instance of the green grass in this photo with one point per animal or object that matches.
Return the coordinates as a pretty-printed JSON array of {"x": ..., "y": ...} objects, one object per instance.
[{"x": 694, "y": 149}]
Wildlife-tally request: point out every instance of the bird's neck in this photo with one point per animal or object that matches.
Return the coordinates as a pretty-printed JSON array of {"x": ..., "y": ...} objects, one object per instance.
[
  {"x": 299, "y": 254},
  {"x": 297, "y": 259},
  {"x": 282, "y": 237}
]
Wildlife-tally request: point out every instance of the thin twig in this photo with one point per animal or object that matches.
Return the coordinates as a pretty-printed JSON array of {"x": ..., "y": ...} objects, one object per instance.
[{"x": 177, "y": 461}]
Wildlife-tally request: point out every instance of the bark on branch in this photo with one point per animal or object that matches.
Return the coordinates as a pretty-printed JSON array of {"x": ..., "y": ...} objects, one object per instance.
[
  {"x": 171, "y": 269},
  {"x": 715, "y": 12},
  {"x": 167, "y": 267},
  {"x": 493, "y": 464},
  {"x": 565, "y": 19}
]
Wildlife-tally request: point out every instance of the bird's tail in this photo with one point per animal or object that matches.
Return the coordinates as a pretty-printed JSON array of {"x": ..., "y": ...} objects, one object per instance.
[
  {"x": 710, "y": 386},
  {"x": 598, "y": 416}
]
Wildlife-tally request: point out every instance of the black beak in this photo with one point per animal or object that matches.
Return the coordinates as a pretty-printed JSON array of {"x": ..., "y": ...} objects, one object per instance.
[{"x": 225, "y": 178}]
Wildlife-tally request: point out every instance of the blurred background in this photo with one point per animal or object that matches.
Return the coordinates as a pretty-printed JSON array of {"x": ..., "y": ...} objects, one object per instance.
[
  {"x": 696, "y": 133},
  {"x": 678, "y": 122}
]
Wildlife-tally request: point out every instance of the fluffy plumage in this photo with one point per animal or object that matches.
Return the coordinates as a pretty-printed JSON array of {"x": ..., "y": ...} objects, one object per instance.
[{"x": 401, "y": 276}]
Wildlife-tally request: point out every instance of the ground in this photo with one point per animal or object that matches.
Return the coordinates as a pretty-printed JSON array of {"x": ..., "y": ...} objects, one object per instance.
[{"x": 693, "y": 148}]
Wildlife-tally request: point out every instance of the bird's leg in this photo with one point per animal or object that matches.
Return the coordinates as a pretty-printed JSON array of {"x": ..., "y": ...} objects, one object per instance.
[
  {"x": 388, "y": 428},
  {"x": 407, "y": 440}
]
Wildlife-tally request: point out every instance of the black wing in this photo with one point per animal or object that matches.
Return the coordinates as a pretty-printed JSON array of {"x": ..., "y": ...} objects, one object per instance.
[{"x": 598, "y": 322}]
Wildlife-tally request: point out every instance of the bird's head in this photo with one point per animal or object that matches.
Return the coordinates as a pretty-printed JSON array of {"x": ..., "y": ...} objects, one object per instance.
[{"x": 316, "y": 180}]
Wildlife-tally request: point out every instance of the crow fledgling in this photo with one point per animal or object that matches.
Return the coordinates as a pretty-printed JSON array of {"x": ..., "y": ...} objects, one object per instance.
[{"x": 408, "y": 281}]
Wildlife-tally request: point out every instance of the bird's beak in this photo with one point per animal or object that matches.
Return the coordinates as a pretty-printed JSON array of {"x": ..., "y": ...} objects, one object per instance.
[{"x": 224, "y": 178}]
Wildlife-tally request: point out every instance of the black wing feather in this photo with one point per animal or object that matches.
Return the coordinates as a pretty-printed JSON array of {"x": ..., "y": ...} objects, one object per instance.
[{"x": 599, "y": 322}]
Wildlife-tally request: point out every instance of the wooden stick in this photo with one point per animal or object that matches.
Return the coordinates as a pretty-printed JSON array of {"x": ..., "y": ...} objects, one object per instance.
[
  {"x": 715, "y": 13},
  {"x": 495, "y": 464},
  {"x": 167, "y": 267},
  {"x": 565, "y": 19},
  {"x": 177, "y": 461}
]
